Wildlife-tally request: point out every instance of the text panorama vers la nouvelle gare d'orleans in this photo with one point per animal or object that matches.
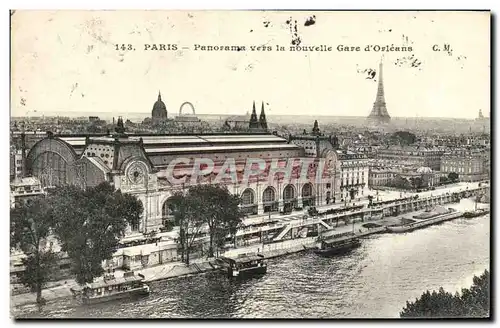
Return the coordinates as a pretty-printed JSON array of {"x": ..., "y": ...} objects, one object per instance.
[{"x": 258, "y": 48}]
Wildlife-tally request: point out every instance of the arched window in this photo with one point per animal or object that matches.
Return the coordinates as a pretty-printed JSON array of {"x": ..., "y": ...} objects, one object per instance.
[
  {"x": 248, "y": 205},
  {"x": 307, "y": 190},
  {"x": 269, "y": 195},
  {"x": 289, "y": 199},
  {"x": 269, "y": 200},
  {"x": 51, "y": 169},
  {"x": 248, "y": 197},
  {"x": 288, "y": 192},
  {"x": 308, "y": 198},
  {"x": 167, "y": 212}
]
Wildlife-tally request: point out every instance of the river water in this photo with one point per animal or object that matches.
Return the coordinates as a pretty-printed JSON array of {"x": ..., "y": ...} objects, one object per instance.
[{"x": 373, "y": 281}]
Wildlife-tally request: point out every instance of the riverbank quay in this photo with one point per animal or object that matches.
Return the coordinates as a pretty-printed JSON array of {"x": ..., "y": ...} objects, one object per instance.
[
  {"x": 390, "y": 202},
  {"x": 200, "y": 265},
  {"x": 269, "y": 250},
  {"x": 283, "y": 228},
  {"x": 62, "y": 289},
  {"x": 387, "y": 203},
  {"x": 49, "y": 294}
]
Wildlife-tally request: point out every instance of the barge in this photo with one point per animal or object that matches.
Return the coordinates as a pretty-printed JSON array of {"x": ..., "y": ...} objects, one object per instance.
[
  {"x": 243, "y": 265},
  {"x": 111, "y": 288},
  {"x": 337, "y": 247},
  {"x": 453, "y": 214},
  {"x": 476, "y": 213}
]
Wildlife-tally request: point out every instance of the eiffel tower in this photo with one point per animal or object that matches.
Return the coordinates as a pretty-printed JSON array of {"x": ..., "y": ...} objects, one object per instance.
[{"x": 379, "y": 112}]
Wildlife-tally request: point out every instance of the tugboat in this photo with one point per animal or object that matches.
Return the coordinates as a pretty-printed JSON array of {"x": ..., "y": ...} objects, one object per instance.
[
  {"x": 477, "y": 212},
  {"x": 111, "y": 288},
  {"x": 337, "y": 247},
  {"x": 243, "y": 265}
]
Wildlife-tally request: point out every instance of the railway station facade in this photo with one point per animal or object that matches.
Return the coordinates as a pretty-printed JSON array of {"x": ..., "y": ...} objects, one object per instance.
[{"x": 142, "y": 164}]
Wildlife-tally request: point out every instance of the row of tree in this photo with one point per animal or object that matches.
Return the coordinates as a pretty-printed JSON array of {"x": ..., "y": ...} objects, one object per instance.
[
  {"x": 473, "y": 302},
  {"x": 451, "y": 178},
  {"x": 210, "y": 207},
  {"x": 88, "y": 225},
  {"x": 418, "y": 182},
  {"x": 403, "y": 183}
]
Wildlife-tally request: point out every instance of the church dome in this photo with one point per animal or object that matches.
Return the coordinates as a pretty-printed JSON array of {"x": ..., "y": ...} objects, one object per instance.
[{"x": 159, "y": 108}]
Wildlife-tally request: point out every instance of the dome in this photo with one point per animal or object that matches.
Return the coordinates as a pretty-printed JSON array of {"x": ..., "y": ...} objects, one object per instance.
[
  {"x": 159, "y": 108},
  {"x": 424, "y": 169}
]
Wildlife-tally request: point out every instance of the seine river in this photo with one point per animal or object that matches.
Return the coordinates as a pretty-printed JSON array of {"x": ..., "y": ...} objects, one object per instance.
[{"x": 374, "y": 281}]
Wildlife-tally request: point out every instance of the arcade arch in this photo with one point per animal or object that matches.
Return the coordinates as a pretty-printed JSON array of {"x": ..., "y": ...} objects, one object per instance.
[
  {"x": 289, "y": 200},
  {"x": 269, "y": 200},
  {"x": 248, "y": 205},
  {"x": 308, "y": 198}
]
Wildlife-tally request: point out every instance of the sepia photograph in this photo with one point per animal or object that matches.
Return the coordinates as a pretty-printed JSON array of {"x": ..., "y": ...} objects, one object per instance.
[{"x": 250, "y": 164}]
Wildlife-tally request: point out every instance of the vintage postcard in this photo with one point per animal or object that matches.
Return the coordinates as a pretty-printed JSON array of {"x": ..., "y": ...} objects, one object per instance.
[{"x": 250, "y": 164}]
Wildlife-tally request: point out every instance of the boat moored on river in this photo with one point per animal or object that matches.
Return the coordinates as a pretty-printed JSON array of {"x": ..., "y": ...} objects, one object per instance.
[
  {"x": 111, "y": 288},
  {"x": 337, "y": 247},
  {"x": 451, "y": 215},
  {"x": 476, "y": 213},
  {"x": 243, "y": 265}
]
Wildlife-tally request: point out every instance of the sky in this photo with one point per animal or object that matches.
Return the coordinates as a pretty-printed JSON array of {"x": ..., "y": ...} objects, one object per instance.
[{"x": 66, "y": 62}]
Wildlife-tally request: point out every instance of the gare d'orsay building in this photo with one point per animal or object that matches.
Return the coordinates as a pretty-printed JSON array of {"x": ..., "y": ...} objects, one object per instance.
[{"x": 137, "y": 164}]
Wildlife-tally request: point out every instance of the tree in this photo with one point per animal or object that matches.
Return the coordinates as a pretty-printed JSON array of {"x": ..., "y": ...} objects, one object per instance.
[
  {"x": 31, "y": 225},
  {"x": 189, "y": 216},
  {"x": 477, "y": 298},
  {"x": 220, "y": 239},
  {"x": 416, "y": 182},
  {"x": 218, "y": 209},
  {"x": 473, "y": 303},
  {"x": 404, "y": 138},
  {"x": 401, "y": 183},
  {"x": 91, "y": 223},
  {"x": 453, "y": 176},
  {"x": 232, "y": 224}
]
